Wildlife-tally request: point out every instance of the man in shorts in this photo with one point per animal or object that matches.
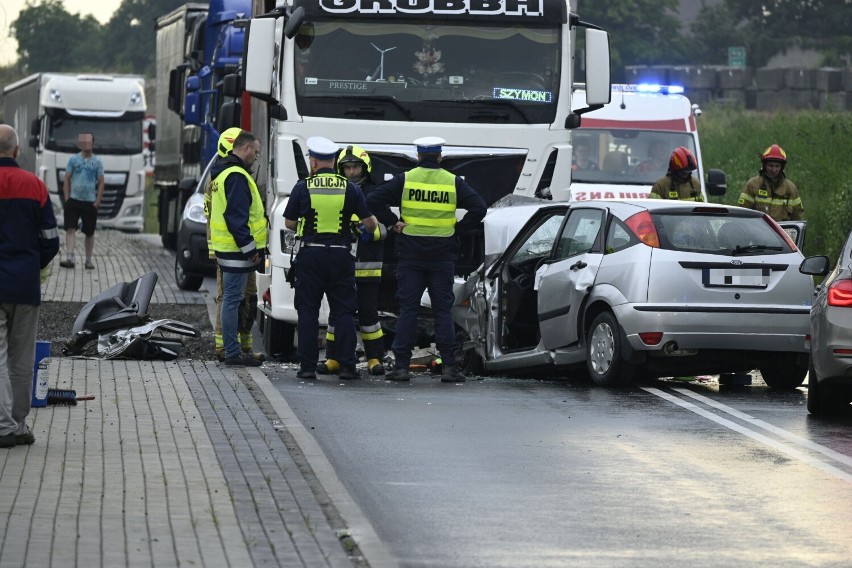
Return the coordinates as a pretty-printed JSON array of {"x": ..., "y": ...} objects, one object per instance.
[{"x": 83, "y": 189}]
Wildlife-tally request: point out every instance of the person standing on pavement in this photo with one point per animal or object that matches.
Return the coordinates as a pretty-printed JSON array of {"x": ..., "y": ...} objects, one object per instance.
[
  {"x": 248, "y": 306},
  {"x": 679, "y": 183},
  {"x": 29, "y": 239},
  {"x": 353, "y": 162},
  {"x": 770, "y": 191},
  {"x": 319, "y": 210},
  {"x": 238, "y": 235},
  {"x": 426, "y": 248},
  {"x": 83, "y": 190}
]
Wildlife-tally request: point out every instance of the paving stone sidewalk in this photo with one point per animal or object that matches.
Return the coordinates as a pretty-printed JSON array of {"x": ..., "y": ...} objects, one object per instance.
[{"x": 172, "y": 463}]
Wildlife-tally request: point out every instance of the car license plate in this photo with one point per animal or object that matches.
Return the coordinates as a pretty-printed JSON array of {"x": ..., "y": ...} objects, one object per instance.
[{"x": 736, "y": 277}]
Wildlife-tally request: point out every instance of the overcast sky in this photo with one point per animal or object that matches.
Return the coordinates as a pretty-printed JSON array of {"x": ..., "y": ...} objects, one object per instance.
[{"x": 101, "y": 9}]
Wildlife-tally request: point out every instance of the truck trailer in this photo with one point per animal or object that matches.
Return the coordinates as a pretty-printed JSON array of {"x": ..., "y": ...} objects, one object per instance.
[
  {"x": 197, "y": 45},
  {"x": 54, "y": 107},
  {"x": 492, "y": 78}
]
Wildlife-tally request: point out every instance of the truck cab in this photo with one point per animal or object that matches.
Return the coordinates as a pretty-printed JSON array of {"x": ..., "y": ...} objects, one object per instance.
[{"x": 620, "y": 150}]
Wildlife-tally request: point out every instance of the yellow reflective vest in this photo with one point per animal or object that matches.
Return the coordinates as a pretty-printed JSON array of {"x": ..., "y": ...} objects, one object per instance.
[
  {"x": 221, "y": 240},
  {"x": 327, "y": 193},
  {"x": 428, "y": 205},
  {"x": 668, "y": 188}
]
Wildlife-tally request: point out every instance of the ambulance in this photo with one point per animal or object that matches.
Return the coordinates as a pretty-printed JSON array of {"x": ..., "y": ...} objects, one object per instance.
[{"x": 621, "y": 149}]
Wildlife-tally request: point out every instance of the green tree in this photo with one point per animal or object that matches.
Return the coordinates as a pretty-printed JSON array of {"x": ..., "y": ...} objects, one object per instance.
[
  {"x": 130, "y": 35},
  {"x": 51, "y": 39},
  {"x": 642, "y": 32}
]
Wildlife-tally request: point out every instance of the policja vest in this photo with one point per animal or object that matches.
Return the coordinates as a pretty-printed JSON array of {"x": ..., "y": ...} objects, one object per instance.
[
  {"x": 221, "y": 239},
  {"x": 428, "y": 205},
  {"x": 324, "y": 217}
]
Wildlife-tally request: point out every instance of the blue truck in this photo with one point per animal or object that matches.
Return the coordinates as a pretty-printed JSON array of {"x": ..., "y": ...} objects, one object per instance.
[{"x": 197, "y": 46}]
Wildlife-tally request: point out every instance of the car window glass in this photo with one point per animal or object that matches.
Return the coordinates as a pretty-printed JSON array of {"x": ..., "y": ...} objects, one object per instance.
[
  {"x": 618, "y": 237},
  {"x": 580, "y": 233},
  {"x": 540, "y": 242},
  {"x": 718, "y": 234}
]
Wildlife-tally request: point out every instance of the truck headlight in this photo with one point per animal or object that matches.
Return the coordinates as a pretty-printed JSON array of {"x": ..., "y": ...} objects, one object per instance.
[
  {"x": 288, "y": 241},
  {"x": 194, "y": 210}
]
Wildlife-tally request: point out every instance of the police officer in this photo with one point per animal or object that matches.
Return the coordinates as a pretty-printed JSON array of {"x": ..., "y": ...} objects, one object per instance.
[
  {"x": 353, "y": 162},
  {"x": 679, "y": 183},
  {"x": 248, "y": 307},
  {"x": 426, "y": 248},
  {"x": 770, "y": 191},
  {"x": 324, "y": 265},
  {"x": 238, "y": 234}
]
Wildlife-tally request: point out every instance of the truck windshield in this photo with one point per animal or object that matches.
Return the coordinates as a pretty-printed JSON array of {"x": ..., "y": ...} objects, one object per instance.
[
  {"x": 621, "y": 156},
  {"x": 112, "y": 136},
  {"x": 381, "y": 70}
]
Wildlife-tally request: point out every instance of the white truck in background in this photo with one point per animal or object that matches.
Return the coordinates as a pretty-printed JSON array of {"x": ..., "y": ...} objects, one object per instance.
[
  {"x": 629, "y": 138},
  {"x": 492, "y": 78},
  {"x": 52, "y": 108}
]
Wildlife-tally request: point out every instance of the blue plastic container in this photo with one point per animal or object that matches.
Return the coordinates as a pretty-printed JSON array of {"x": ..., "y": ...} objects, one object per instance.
[{"x": 42, "y": 355}]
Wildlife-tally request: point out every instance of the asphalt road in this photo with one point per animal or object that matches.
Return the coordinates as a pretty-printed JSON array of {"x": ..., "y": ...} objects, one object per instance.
[{"x": 524, "y": 472}]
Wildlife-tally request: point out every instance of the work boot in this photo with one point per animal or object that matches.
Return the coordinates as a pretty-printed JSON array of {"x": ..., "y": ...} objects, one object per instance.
[
  {"x": 304, "y": 374},
  {"x": 375, "y": 367},
  {"x": 348, "y": 374},
  {"x": 8, "y": 441},
  {"x": 25, "y": 439},
  {"x": 399, "y": 374},
  {"x": 328, "y": 367},
  {"x": 452, "y": 375},
  {"x": 242, "y": 360},
  {"x": 259, "y": 356}
]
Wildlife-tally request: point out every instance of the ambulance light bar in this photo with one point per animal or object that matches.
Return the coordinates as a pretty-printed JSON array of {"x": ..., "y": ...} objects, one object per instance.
[{"x": 647, "y": 88}]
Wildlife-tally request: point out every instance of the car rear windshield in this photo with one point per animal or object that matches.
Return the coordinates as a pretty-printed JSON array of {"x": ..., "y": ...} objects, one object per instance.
[{"x": 719, "y": 234}]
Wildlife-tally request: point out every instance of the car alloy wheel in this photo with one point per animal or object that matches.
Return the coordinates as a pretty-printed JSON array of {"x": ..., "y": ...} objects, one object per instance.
[{"x": 601, "y": 348}]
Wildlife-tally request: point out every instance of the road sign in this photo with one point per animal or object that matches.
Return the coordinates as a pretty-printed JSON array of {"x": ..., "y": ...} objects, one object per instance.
[{"x": 736, "y": 57}]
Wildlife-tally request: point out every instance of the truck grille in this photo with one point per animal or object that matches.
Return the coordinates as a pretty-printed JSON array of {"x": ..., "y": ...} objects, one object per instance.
[{"x": 113, "y": 196}]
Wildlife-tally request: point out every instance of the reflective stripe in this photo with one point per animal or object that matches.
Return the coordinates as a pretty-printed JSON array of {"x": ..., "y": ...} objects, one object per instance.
[
  {"x": 368, "y": 273},
  {"x": 329, "y": 333},
  {"x": 49, "y": 234},
  {"x": 234, "y": 263},
  {"x": 371, "y": 335},
  {"x": 320, "y": 245},
  {"x": 745, "y": 198}
]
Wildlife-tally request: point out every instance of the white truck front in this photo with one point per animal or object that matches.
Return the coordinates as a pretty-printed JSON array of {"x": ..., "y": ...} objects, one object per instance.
[
  {"x": 112, "y": 108},
  {"x": 492, "y": 78},
  {"x": 629, "y": 142}
]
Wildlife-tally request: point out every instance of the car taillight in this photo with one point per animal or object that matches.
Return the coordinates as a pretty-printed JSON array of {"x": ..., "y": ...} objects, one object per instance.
[
  {"x": 651, "y": 337},
  {"x": 643, "y": 227},
  {"x": 840, "y": 294}
]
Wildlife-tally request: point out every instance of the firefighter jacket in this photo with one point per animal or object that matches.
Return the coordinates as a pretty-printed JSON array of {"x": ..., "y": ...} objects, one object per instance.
[
  {"x": 370, "y": 254},
  {"x": 238, "y": 227},
  {"x": 428, "y": 197},
  {"x": 668, "y": 187},
  {"x": 780, "y": 200}
]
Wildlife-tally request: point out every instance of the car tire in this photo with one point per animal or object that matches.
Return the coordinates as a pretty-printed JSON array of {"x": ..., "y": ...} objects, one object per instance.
[
  {"x": 785, "y": 375},
  {"x": 823, "y": 400},
  {"x": 605, "y": 343},
  {"x": 186, "y": 281}
]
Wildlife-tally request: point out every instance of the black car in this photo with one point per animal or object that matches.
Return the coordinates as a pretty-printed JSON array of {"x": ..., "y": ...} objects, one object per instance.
[{"x": 192, "y": 262}]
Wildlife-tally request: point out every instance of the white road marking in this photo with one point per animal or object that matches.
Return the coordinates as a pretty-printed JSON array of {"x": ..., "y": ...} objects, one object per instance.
[
  {"x": 790, "y": 451},
  {"x": 828, "y": 452}
]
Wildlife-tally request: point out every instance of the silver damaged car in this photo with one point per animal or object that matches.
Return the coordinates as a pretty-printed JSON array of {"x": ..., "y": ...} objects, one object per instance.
[{"x": 641, "y": 288}]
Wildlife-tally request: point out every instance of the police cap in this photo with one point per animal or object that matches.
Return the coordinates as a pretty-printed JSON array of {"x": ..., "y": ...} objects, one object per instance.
[
  {"x": 322, "y": 148},
  {"x": 429, "y": 144}
]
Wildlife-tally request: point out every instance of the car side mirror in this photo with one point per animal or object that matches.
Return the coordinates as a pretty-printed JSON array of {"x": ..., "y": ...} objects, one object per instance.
[
  {"x": 815, "y": 266},
  {"x": 717, "y": 182}
]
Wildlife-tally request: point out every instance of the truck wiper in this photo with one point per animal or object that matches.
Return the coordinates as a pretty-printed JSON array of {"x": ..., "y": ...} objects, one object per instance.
[
  {"x": 382, "y": 99},
  {"x": 753, "y": 248}
]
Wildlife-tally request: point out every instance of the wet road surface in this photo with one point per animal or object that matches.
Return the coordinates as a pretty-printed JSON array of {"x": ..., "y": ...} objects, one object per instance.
[{"x": 526, "y": 472}]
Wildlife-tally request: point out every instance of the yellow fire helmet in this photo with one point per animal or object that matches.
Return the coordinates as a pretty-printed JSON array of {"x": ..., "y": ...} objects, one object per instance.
[
  {"x": 353, "y": 155},
  {"x": 226, "y": 141}
]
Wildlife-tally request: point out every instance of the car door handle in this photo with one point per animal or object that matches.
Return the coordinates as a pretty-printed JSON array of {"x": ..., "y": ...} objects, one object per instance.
[{"x": 578, "y": 265}]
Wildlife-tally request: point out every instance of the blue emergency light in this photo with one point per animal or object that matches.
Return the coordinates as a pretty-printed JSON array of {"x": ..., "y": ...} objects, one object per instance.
[{"x": 648, "y": 88}]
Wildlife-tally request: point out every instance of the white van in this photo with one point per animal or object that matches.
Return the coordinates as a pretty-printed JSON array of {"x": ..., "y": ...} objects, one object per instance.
[{"x": 628, "y": 143}]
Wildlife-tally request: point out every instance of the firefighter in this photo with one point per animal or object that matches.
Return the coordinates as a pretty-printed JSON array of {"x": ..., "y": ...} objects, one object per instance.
[
  {"x": 324, "y": 264},
  {"x": 353, "y": 162},
  {"x": 238, "y": 233},
  {"x": 770, "y": 191},
  {"x": 248, "y": 306},
  {"x": 679, "y": 183},
  {"x": 426, "y": 249}
]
